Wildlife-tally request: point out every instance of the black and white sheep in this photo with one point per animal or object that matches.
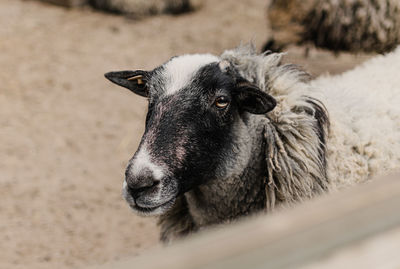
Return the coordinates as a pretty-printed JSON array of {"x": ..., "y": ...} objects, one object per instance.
[
  {"x": 339, "y": 25},
  {"x": 241, "y": 133}
]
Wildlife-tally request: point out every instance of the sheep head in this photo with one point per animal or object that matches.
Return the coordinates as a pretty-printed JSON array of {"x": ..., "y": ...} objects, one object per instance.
[{"x": 195, "y": 105}]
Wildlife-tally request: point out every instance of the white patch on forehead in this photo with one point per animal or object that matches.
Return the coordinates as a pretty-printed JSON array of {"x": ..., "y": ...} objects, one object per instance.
[
  {"x": 180, "y": 70},
  {"x": 142, "y": 160}
]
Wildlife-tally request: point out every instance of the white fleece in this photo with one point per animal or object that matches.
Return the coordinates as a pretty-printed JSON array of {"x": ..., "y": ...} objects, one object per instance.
[{"x": 364, "y": 111}]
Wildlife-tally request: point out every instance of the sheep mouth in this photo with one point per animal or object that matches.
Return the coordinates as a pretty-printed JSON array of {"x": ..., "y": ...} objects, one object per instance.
[{"x": 152, "y": 210}]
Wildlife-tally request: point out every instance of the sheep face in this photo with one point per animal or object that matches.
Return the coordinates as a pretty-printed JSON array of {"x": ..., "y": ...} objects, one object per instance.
[{"x": 196, "y": 104}]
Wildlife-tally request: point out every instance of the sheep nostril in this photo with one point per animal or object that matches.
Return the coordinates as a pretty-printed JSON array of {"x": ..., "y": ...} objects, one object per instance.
[
  {"x": 145, "y": 188},
  {"x": 137, "y": 189}
]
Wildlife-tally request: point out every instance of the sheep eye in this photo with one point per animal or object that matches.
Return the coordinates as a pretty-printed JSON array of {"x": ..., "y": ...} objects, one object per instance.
[{"x": 221, "y": 102}]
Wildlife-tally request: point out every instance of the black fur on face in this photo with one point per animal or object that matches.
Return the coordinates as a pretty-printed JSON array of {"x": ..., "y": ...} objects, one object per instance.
[
  {"x": 188, "y": 131},
  {"x": 191, "y": 132}
]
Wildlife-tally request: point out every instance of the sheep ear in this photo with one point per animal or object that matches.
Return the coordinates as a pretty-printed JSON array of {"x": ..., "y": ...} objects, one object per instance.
[
  {"x": 135, "y": 81},
  {"x": 251, "y": 99}
]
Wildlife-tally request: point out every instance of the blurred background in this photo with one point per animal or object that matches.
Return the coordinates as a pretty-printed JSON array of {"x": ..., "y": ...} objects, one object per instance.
[{"x": 66, "y": 133}]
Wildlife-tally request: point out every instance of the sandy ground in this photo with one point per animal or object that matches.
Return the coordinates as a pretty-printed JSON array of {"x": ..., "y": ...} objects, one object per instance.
[{"x": 66, "y": 133}]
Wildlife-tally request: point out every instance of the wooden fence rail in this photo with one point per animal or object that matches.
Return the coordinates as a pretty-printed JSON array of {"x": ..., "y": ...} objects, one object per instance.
[{"x": 355, "y": 228}]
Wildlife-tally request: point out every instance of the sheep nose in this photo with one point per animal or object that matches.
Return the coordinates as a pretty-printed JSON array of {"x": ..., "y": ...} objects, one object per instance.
[{"x": 140, "y": 183}]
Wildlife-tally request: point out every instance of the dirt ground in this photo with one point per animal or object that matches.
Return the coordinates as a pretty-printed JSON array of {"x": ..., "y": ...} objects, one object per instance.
[{"x": 66, "y": 133}]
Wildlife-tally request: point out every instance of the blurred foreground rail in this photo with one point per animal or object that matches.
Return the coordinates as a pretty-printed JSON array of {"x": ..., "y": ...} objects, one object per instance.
[{"x": 355, "y": 228}]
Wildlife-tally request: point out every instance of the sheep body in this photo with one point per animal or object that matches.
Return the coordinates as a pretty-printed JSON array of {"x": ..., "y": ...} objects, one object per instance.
[
  {"x": 349, "y": 25},
  {"x": 364, "y": 109},
  {"x": 362, "y": 140},
  {"x": 242, "y": 133}
]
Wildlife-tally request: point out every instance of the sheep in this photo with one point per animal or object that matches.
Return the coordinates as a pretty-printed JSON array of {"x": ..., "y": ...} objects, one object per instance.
[
  {"x": 243, "y": 133},
  {"x": 141, "y": 8},
  {"x": 340, "y": 25}
]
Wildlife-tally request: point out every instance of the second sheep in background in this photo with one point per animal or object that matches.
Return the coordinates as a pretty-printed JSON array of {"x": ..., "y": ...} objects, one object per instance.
[{"x": 340, "y": 25}]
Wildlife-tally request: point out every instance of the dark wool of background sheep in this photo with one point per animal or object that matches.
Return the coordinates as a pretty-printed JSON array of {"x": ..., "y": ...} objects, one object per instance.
[
  {"x": 339, "y": 25},
  {"x": 140, "y": 8}
]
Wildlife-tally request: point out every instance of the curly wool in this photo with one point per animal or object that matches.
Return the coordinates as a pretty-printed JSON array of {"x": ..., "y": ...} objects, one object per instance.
[
  {"x": 364, "y": 123},
  {"x": 348, "y": 25},
  {"x": 364, "y": 110},
  {"x": 296, "y": 168}
]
